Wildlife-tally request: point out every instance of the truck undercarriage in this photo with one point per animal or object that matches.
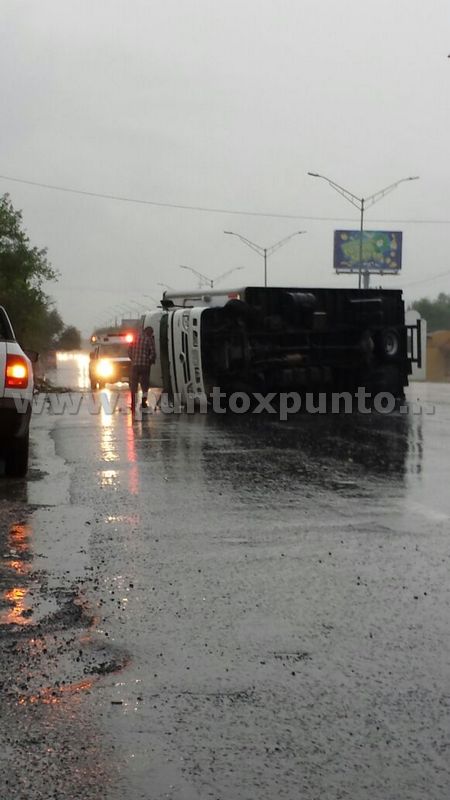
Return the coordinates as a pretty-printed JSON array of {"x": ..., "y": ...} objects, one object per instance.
[{"x": 307, "y": 340}]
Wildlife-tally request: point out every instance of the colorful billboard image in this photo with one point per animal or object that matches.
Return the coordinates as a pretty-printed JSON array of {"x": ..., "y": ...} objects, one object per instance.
[{"x": 381, "y": 251}]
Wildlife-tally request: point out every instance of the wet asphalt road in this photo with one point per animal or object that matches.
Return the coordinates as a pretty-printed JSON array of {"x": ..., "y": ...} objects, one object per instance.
[{"x": 236, "y": 608}]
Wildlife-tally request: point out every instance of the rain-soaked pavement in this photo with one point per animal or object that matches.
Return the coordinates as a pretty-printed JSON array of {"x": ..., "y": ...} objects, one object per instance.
[{"x": 228, "y": 607}]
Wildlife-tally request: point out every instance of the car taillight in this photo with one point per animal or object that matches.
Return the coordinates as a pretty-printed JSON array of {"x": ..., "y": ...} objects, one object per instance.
[{"x": 16, "y": 374}]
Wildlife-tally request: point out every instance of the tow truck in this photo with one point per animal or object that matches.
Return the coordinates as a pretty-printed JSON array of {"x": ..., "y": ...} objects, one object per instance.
[
  {"x": 108, "y": 360},
  {"x": 276, "y": 339}
]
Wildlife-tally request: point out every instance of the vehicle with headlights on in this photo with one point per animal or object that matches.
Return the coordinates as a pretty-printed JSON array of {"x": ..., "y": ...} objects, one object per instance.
[
  {"x": 16, "y": 395},
  {"x": 109, "y": 361}
]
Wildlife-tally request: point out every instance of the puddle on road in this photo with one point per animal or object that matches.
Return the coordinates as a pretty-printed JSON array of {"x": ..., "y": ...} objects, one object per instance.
[
  {"x": 51, "y": 656},
  {"x": 48, "y": 645},
  {"x": 25, "y": 606},
  {"x": 21, "y": 602}
]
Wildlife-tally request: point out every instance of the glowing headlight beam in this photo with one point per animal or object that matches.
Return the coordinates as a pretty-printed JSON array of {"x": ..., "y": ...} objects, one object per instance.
[{"x": 105, "y": 368}]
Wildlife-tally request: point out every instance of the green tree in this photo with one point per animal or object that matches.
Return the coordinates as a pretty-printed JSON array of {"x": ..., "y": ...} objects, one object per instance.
[
  {"x": 23, "y": 271},
  {"x": 70, "y": 339},
  {"x": 436, "y": 312}
]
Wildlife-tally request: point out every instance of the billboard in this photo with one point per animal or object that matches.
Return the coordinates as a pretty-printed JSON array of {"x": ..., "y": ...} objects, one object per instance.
[{"x": 381, "y": 251}]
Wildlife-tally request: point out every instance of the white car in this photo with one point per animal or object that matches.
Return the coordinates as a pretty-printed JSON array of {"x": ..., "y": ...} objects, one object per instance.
[{"x": 16, "y": 396}]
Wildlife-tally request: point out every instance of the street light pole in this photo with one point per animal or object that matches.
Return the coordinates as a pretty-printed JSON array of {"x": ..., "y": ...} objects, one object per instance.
[
  {"x": 209, "y": 281},
  {"x": 264, "y": 251},
  {"x": 362, "y": 203}
]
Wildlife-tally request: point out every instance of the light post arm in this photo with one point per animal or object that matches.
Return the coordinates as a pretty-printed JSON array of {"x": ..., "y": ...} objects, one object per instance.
[
  {"x": 352, "y": 198},
  {"x": 274, "y": 247},
  {"x": 256, "y": 247},
  {"x": 360, "y": 201},
  {"x": 373, "y": 198},
  {"x": 224, "y": 275},
  {"x": 200, "y": 275}
]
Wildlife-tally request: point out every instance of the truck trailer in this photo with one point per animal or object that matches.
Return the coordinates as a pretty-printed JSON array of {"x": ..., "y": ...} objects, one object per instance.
[{"x": 272, "y": 339}]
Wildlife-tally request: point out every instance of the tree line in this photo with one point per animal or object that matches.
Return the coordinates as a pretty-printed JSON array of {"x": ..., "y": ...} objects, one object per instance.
[
  {"x": 24, "y": 269},
  {"x": 435, "y": 312}
]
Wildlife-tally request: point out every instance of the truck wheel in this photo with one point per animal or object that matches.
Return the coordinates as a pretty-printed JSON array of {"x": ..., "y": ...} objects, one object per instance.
[
  {"x": 387, "y": 343},
  {"x": 237, "y": 307},
  {"x": 17, "y": 457}
]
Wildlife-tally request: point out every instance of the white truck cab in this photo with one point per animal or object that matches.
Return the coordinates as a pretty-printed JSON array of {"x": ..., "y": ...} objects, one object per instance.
[
  {"x": 178, "y": 366},
  {"x": 177, "y": 328},
  {"x": 16, "y": 395}
]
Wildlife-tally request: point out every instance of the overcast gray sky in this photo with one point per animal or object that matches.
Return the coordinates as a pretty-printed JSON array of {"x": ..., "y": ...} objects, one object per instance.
[{"x": 224, "y": 105}]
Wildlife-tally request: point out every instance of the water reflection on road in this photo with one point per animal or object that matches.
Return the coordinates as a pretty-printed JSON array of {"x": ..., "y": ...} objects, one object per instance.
[
  {"x": 317, "y": 449},
  {"x": 281, "y": 588},
  {"x": 72, "y": 370}
]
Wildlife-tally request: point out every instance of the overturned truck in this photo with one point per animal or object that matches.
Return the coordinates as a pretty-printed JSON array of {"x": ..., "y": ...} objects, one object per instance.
[{"x": 261, "y": 340}]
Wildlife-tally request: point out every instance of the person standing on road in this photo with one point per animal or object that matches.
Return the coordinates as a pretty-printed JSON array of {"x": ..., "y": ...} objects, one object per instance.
[{"x": 142, "y": 354}]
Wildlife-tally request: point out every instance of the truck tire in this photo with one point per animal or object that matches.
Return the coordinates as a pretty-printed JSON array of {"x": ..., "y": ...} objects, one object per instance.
[
  {"x": 387, "y": 343},
  {"x": 238, "y": 307},
  {"x": 16, "y": 465}
]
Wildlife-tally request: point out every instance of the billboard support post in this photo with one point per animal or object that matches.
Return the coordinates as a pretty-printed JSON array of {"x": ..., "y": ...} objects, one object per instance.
[{"x": 361, "y": 235}]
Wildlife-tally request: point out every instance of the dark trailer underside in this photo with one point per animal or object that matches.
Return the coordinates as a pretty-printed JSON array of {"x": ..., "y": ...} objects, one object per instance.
[{"x": 291, "y": 339}]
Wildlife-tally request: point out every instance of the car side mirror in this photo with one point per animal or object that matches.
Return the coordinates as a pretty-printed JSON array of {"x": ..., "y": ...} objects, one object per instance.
[{"x": 32, "y": 355}]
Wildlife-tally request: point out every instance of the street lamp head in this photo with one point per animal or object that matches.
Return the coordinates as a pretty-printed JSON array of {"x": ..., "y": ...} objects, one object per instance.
[
  {"x": 314, "y": 174},
  {"x": 230, "y": 233}
]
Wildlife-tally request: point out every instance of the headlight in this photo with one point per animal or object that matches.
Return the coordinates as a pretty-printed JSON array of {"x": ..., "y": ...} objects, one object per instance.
[{"x": 105, "y": 368}]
